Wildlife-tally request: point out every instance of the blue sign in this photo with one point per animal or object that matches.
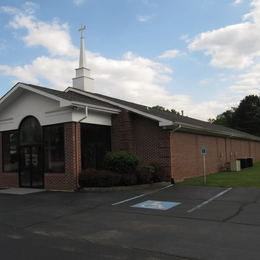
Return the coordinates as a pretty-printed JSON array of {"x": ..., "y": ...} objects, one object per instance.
[{"x": 203, "y": 150}]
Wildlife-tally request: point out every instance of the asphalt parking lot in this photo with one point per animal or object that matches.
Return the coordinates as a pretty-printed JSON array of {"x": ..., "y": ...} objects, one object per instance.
[{"x": 208, "y": 223}]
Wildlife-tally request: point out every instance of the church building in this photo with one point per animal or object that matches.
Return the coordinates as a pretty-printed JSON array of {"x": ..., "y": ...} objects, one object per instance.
[{"x": 47, "y": 136}]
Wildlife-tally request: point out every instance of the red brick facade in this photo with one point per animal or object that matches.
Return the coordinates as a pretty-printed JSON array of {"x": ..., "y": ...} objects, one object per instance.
[
  {"x": 187, "y": 161},
  {"x": 133, "y": 133},
  {"x": 176, "y": 153}
]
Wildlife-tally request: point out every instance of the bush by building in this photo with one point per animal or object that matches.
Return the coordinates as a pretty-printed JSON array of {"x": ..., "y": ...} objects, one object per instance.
[
  {"x": 121, "y": 169},
  {"x": 121, "y": 162}
]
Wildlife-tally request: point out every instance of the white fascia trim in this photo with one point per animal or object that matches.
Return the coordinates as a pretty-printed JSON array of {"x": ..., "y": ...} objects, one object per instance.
[
  {"x": 63, "y": 102},
  {"x": 10, "y": 92},
  {"x": 97, "y": 107},
  {"x": 162, "y": 121}
]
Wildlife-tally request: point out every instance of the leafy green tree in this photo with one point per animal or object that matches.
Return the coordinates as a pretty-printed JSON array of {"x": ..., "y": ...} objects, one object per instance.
[
  {"x": 165, "y": 109},
  {"x": 245, "y": 117},
  {"x": 225, "y": 119}
]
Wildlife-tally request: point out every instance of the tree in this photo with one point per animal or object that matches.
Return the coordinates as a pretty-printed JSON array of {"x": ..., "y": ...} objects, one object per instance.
[
  {"x": 165, "y": 109},
  {"x": 246, "y": 117},
  {"x": 225, "y": 119}
]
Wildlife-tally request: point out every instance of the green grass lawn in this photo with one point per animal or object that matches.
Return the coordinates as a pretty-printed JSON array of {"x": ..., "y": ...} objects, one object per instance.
[{"x": 247, "y": 178}]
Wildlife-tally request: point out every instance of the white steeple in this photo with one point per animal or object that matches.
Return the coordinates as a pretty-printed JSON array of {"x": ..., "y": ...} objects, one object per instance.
[{"x": 83, "y": 80}]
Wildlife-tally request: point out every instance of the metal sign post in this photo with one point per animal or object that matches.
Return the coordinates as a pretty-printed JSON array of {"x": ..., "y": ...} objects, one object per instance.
[
  {"x": 203, "y": 151},
  {"x": 204, "y": 168}
]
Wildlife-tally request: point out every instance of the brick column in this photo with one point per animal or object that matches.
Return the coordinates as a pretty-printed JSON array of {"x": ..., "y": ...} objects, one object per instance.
[
  {"x": 165, "y": 153},
  {"x": 122, "y": 132}
]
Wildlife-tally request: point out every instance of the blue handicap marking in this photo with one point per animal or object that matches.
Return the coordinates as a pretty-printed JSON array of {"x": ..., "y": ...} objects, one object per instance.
[{"x": 155, "y": 204}]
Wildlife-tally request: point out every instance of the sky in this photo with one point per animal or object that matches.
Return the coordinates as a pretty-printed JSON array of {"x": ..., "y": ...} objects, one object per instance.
[{"x": 199, "y": 56}]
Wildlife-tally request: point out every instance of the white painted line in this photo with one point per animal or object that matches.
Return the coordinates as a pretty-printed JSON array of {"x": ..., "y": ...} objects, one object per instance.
[
  {"x": 123, "y": 201},
  {"x": 209, "y": 200},
  {"x": 139, "y": 196}
]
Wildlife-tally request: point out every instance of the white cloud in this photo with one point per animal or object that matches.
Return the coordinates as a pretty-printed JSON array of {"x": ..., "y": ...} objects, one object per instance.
[
  {"x": 238, "y": 2},
  {"x": 53, "y": 36},
  {"x": 170, "y": 54},
  {"x": 144, "y": 18},
  {"x": 132, "y": 77},
  {"x": 79, "y": 2},
  {"x": 185, "y": 38},
  {"x": 234, "y": 46},
  {"x": 248, "y": 82}
]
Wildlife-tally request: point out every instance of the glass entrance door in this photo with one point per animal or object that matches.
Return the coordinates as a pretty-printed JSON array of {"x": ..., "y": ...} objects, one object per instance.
[{"x": 31, "y": 174}]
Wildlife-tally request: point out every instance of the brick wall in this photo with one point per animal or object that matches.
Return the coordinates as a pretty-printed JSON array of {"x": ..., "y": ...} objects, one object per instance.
[
  {"x": 177, "y": 154},
  {"x": 187, "y": 161},
  {"x": 122, "y": 138},
  {"x": 9, "y": 179},
  {"x": 133, "y": 133},
  {"x": 69, "y": 179}
]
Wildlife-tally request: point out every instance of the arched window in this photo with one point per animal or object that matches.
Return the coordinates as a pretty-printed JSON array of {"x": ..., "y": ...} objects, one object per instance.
[{"x": 30, "y": 132}]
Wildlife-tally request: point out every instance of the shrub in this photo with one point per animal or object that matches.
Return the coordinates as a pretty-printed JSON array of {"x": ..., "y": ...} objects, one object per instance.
[
  {"x": 145, "y": 175},
  {"x": 152, "y": 173},
  {"x": 121, "y": 162},
  {"x": 128, "y": 179},
  {"x": 99, "y": 178}
]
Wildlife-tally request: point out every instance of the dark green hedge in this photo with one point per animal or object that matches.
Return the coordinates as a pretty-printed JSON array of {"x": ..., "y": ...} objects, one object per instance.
[{"x": 121, "y": 162}]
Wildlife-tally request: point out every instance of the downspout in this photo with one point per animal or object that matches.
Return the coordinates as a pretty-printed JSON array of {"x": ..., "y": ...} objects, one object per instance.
[
  {"x": 177, "y": 128},
  {"x": 173, "y": 131},
  {"x": 84, "y": 116}
]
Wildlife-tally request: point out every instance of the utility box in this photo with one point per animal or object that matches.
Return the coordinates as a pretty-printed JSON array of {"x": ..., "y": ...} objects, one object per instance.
[
  {"x": 235, "y": 166},
  {"x": 245, "y": 162}
]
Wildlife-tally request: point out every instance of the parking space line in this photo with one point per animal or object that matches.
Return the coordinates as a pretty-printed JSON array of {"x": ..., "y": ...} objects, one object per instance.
[
  {"x": 209, "y": 200},
  {"x": 142, "y": 195}
]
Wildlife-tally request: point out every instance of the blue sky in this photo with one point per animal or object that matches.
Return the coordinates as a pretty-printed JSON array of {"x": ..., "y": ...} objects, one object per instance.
[{"x": 200, "y": 56}]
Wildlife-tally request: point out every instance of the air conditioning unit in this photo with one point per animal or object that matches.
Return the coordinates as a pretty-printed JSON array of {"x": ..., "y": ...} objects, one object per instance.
[{"x": 235, "y": 166}]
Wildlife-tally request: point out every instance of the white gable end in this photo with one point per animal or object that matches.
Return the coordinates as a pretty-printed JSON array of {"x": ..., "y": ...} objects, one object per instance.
[
  {"x": 23, "y": 101},
  {"x": 46, "y": 110}
]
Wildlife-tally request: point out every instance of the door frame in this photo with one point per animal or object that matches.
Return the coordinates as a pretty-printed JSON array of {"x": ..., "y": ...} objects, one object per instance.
[{"x": 41, "y": 163}]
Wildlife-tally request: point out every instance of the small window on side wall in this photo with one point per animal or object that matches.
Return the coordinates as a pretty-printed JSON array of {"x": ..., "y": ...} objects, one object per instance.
[
  {"x": 54, "y": 149},
  {"x": 10, "y": 153}
]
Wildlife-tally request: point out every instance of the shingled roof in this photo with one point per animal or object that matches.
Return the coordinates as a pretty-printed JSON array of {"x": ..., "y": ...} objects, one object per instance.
[
  {"x": 185, "y": 123},
  {"x": 188, "y": 121},
  {"x": 70, "y": 96}
]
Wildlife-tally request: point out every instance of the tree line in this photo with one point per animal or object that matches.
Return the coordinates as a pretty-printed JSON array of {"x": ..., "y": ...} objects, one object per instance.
[{"x": 245, "y": 117}]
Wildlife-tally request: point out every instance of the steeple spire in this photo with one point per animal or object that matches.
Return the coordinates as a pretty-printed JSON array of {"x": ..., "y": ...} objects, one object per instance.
[
  {"x": 83, "y": 80},
  {"x": 82, "y": 57}
]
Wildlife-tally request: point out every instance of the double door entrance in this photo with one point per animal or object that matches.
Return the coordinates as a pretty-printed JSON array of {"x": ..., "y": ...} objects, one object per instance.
[{"x": 31, "y": 167}]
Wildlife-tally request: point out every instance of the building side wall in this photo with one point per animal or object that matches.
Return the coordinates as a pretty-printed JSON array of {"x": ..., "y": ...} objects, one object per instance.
[
  {"x": 187, "y": 161},
  {"x": 133, "y": 133},
  {"x": 69, "y": 179}
]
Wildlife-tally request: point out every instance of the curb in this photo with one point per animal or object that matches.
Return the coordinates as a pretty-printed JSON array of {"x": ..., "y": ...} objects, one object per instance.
[{"x": 125, "y": 188}]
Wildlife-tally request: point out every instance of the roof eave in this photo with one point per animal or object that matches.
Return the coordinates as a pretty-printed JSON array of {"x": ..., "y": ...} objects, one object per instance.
[
  {"x": 162, "y": 121},
  {"x": 201, "y": 130}
]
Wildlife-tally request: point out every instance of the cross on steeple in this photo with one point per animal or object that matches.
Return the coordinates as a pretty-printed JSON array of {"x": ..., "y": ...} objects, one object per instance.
[
  {"x": 81, "y": 29},
  {"x": 83, "y": 80}
]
